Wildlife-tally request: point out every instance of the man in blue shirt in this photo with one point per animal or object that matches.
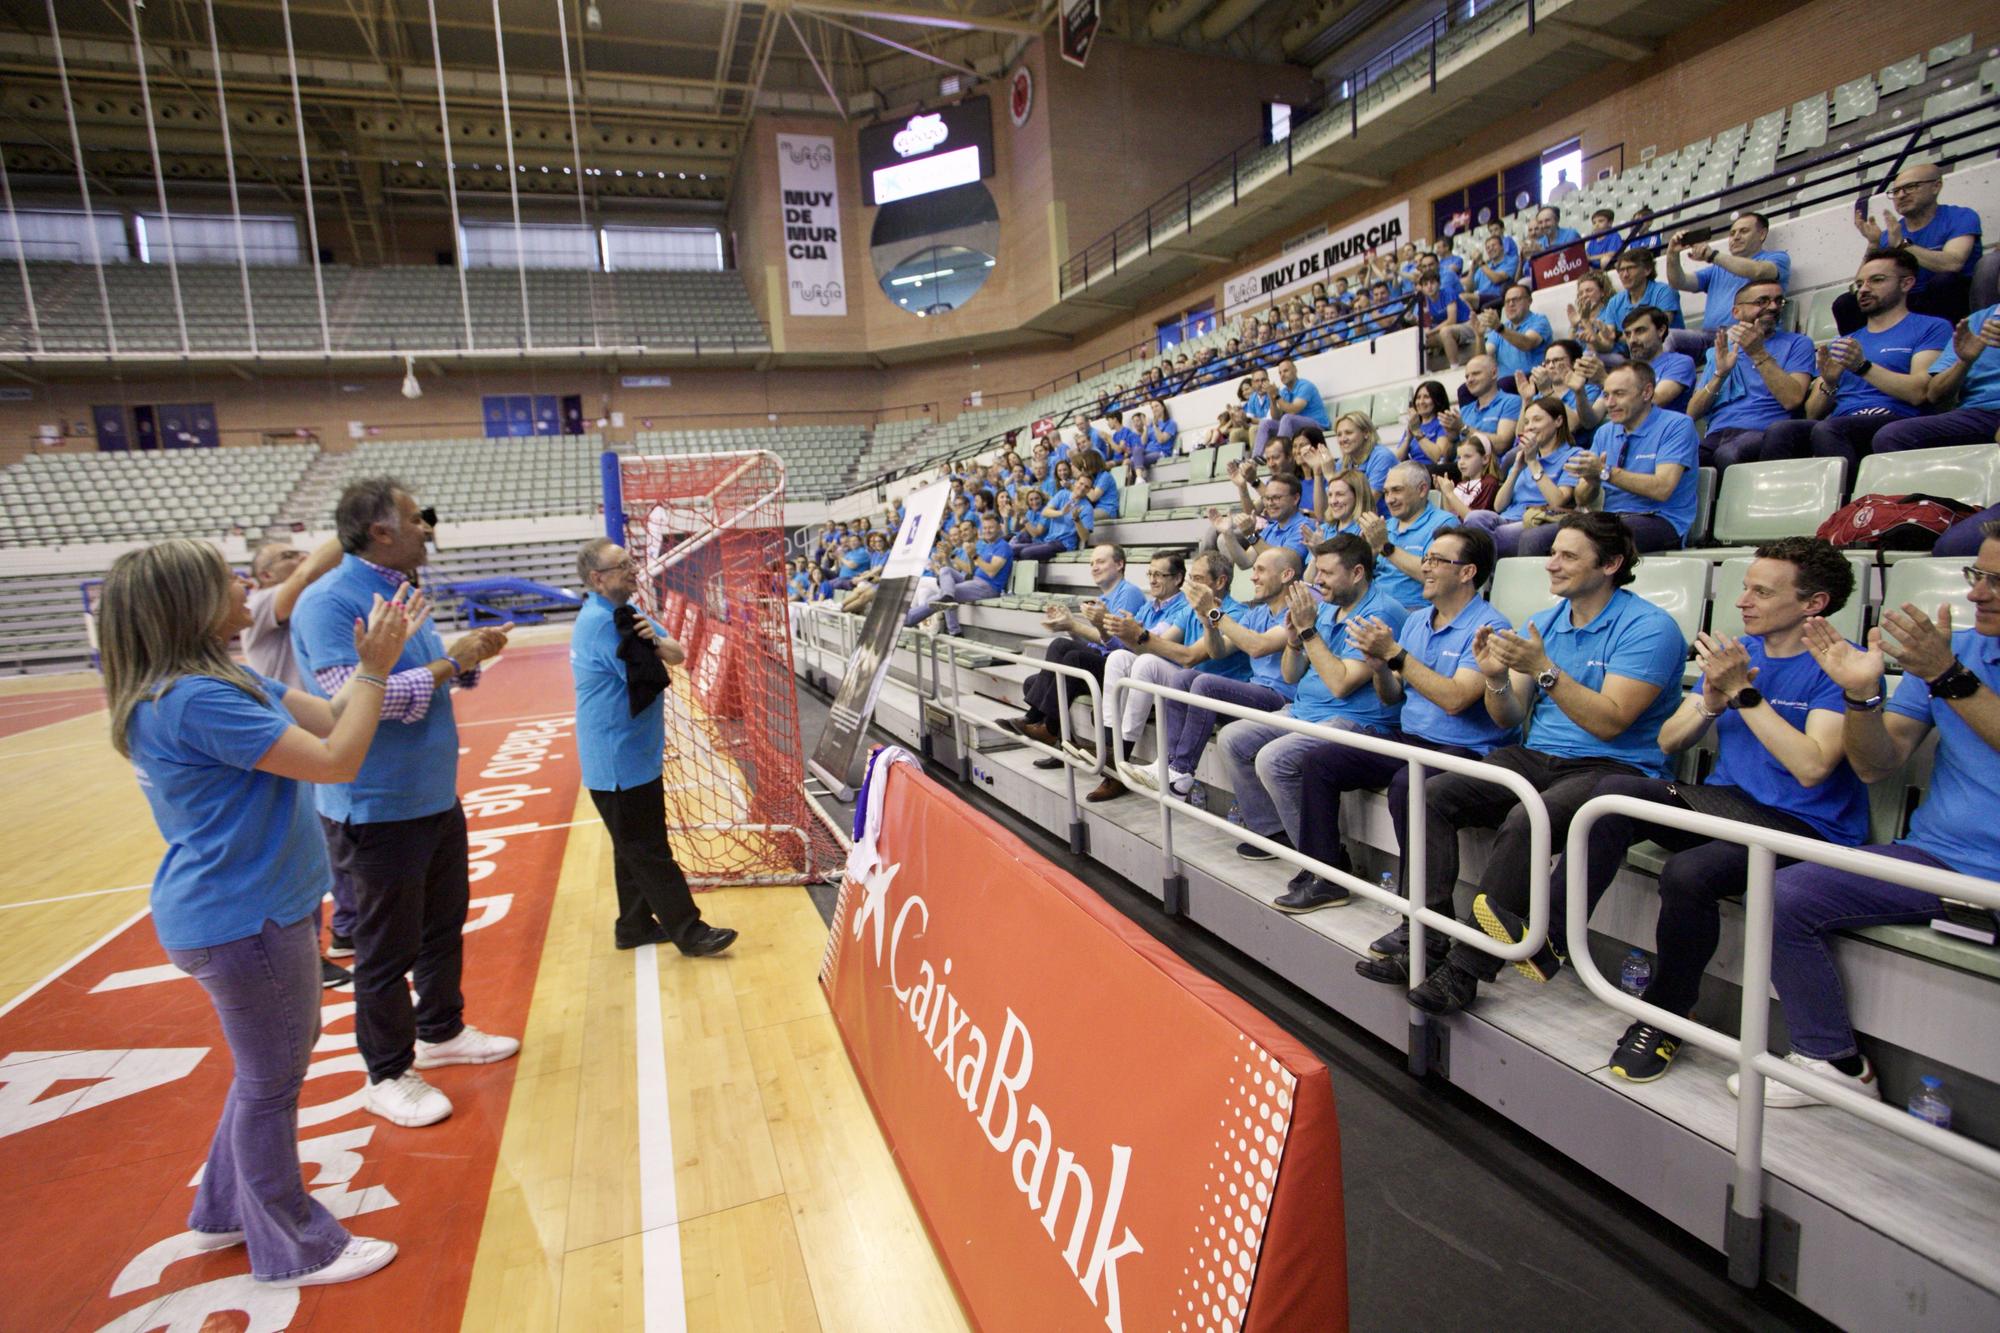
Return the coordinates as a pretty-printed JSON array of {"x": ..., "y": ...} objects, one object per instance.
[
  {"x": 1636, "y": 287},
  {"x": 1777, "y": 718},
  {"x": 1294, "y": 403},
  {"x": 1496, "y": 270},
  {"x": 1646, "y": 329},
  {"x": 398, "y": 829},
  {"x": 1492, "y": 412},
  {"x": 1081, "y": 642},
  {"x": 1400, "y": 541},
  {"x": 1951, "y": 684},
  {"x": 1969, "y": 371},
  {"x": 619, "y": 744},
  {"x": 1944, "y": 239},
  {"x": 1743, "y": 259},
  {"x": 1277, "y": 506},
  {"x": 1428, "y": 663},
  {"x": 1546, "y": 232},
  {"x": 1516, "y": 336},
  {"x": 1334, "y": 687},
  {"x": 1644, "y": 463},
  {"x": 1604, "y": 242},
  {"x": 1755, "y": 374},
  {"x": 1878, "y": 374},
  {"x": 1165, "y": 629},
  {"x": 1595, "y": 676},
  {"x": 992, "y": 569}
]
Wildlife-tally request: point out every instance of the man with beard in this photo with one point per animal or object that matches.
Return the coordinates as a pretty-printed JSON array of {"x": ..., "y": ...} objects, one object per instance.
[{"x": 1755, "y": 374}]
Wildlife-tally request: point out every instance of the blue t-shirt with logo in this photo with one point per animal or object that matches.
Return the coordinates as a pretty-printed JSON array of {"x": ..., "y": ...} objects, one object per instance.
[
  {"x": 1446, "y": 649},
  {"x": 1678, "y": 367},
  {"x": 1306, "y": 393},
  {"x": 1954, "y": 823},
  {"x": 1509, "y": 264},
  {"x": 1364, "y": 707},
  {"x": 1234, "y": 666},
  {"x": 1631, "y": 638},
  {"x": 1946, "y": 225},
  {"x": 1267, "y": 670},
  {"x": 1290, "y": 533},
  {"x": 1447, "y": 307},
  {"x": 1795, "y": 686},
  {"x": 1415, "y": 538},
  {"x": 1427, "y": 444},
  {"x": 1663, "y": 437},
  {"x": 995, "y": 550},
  {"x": 1527, "y": 494},
  {"x": 1656, "y": 294},
  {"x": 1061, "y": 524},
  {"x": 243, "y": 847},
  {"x": 615, "y": 749},
  {"x": 1106, "y": 504},
  {"x": 1515, "y": 360},
  {"x": 1891, "y": 349},
  {"x": 1981, "y": 385},
  {"x": 1743, "y": 401},
  {"x": 1721, "y": 285}
]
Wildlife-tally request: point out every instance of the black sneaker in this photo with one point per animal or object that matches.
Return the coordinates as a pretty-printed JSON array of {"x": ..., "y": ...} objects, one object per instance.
[
  {"x": 1252, "y": 852},
  {"x": 332, "y": 974},
  {"x": 1390, "y": 969},
  {"x": 1445, "y": 991},
  {"x": 1503, "y": 925},
  {"x": 1307, "y": 892},
  {"x": 1643, "y": 1053},
  {"x": 1396, "y": 944},
  {"x": 341, "y": 946}
]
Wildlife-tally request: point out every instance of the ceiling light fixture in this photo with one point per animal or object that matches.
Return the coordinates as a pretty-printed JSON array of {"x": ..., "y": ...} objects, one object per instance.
[
  {"x": 411, "y": 389},
  {"x": 591, "y": 18}
]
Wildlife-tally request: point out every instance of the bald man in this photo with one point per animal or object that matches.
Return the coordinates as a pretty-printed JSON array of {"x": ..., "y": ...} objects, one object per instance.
[{"x": 1944, "y": 239}]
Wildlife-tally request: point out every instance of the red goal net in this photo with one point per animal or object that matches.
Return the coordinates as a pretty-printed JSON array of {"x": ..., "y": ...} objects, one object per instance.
[{"x": 707, "y": 534}]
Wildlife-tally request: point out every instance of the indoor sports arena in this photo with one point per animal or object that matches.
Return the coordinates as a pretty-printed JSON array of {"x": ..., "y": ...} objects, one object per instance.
[{"x": 1153, "y": 665}]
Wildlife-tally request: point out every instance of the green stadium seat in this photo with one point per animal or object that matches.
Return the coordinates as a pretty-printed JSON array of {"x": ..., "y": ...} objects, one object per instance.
[
  {"x": 1676, "y": 584},
  {"x": 1520, "y": 587},
  {"x": 1966, "y": 472},
  {"x": 1927, "y": 583},
  {"x": 1787, "y": 498}
]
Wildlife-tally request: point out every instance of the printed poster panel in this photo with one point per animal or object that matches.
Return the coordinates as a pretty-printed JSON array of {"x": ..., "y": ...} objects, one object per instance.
[{"x": 810, "y": 195}]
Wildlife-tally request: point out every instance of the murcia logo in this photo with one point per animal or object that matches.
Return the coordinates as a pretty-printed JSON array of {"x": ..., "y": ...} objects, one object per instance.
[{"x": 922, "y": 134}]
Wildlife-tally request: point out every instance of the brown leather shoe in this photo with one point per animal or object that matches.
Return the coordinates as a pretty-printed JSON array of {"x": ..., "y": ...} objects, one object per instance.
[
  {"x": 1108, "y": 790},
  {"x": 1040, "y": 733}
]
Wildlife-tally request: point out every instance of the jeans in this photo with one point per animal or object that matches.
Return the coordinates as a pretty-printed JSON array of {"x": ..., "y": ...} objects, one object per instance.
[
  {"x": 1968, "y": 425},
  {"x": 1696, "y": 878},
  {"x": 1137, "y": 707},
  {"x": 1963, "y": 537},
  {"x": 343, "y": 882},
  {"x": 1267, "y": 771},
  {"x": 1649, "y": 532},
  {"x": 651, "y": 886},
  {"x": 951, "y": 583},
  {"x": 1283, "y": 427},
  {"x": 1848, "y": 438},
  {"x": 1048, "y": 693},
  {"x": 410, "y": 892},
  {"x": 1452, "y": 803},
  {"x": 1809, "y": 901},
  {"x": 266, "y": 991},
  {"x": 1042, "y": 550},
  {"x": 1188, "y": 727},
  {"x": 1506, "y": 534},
  {"x": 1324, "y": 774},
  {"x": 1724, "y": 449}
]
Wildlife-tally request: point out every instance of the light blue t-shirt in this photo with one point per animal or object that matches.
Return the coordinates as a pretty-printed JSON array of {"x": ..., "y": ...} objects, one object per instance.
[
  {"x": 1947, "y": 224},
  {"x": 1981, "y": 385},
  {"x": 1515, "y": 360},
  {"x": 1125, "y": 598},
  {"x": 243, "y": 847},
  {"x": 1427, "y": 444},
  {"x": 1743, "y": 401},
  {"x": 1061, "y": 525},
  {"x": 1678, "y": 367},
  {"x": 1656, "y": 294},
  {"x": 1527, "y": 494},
  {"x": 1891, "y": 349},
  {"x": 1722, "y": 286},
  {"x": 1313, "y": 406},
  {"x": 1794, "y": 686},
  {"x": 1503, "y": 406},
  {"x": 995, "y": 550},
  {"x": 1954, "y": 823},
  {"x": 616, "y": 750},
  {"x": 1376, "y": 467},
  {"x": 1415, "y": 538},
  {"x": 1291, "y": 534},
  {"x": 1235, "y": 666},
  {"x": 1663, "y": 437},
  {"x": 1446, "y": 649},
  {"x": 412, "y": 767},
  {"x": 1508, "y": 264},
  {"x": 1363, "y": 708},
  {"x": 1631, "y": 638},
  {"x": 1106, "y": 504},
  {"x": 1267, "y": 670}
]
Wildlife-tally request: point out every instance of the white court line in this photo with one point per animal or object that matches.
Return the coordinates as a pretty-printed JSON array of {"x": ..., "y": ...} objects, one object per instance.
[
  {"x": 532, "y": 717},
  {"x": 659, "y": 1205},
  {"x": 50, "y": 749},
  {"x": 102, "y": 940},
  {"x": 68, "y": 897}
]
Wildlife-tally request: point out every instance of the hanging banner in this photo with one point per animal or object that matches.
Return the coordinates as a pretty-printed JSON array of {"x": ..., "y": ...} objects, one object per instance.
[
  {"x": 810, "y": 195},
  {"x": 1079, "y": 30},
  {"x": 1316, "y": 261},
  {"x": 1097, "y": 1136}
]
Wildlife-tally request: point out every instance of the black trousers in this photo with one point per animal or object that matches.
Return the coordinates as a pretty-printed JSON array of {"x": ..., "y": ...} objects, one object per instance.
[
  {"x": 650, "y": 883},
  {"x": 1048, "y": 694},
  {"x": 410, "y": 892}
]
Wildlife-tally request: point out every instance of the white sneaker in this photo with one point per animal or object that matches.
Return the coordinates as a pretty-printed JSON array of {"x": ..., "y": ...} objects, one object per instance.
[
  {"x": 216, "y": 1240},
  {"x": 469, "y": 1047},
  {"x": 1139, "y": 775},
  {"x": 1783, "y": 1096},
  {"x": 361, "y": 1257},
  {"x": 407, "y": 1101}
]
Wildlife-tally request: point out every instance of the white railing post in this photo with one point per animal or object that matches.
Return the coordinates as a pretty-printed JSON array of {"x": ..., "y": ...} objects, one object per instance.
[
  {"x": 1744, "y": 1238},
  {"x": 1416, "y": 888}
]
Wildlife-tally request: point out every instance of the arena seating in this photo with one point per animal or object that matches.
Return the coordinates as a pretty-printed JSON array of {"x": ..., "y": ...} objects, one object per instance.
[
  {"x": 53, "y": 499},
  {"x": 819, "y": 460}
]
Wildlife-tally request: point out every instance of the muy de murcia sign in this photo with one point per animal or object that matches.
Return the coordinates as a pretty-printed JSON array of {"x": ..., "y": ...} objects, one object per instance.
[
  {"x": 1318, "y": 260},
  {"x": 809, "y": 193}
]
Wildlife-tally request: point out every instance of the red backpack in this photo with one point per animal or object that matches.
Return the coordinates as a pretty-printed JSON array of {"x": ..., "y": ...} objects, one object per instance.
[{"x": 1893, "y": 522}]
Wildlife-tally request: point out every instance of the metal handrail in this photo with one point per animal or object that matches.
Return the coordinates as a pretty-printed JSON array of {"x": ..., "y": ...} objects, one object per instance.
[{"x": 1754, "y": 1063}]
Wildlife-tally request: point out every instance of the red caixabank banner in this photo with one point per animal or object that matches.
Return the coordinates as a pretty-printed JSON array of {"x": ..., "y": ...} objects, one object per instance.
[{"x": 1094, "y": 1133}]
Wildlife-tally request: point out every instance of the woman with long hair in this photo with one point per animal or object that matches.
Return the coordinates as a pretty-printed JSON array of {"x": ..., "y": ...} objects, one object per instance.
[
  {"x": 1423, "y": 428},
  {"x": 224, "y": 756},
  {"x": 1538, "y": 487},
  {"x": 1344, "y": 497},
  {"x": 1359, "y": 449}
]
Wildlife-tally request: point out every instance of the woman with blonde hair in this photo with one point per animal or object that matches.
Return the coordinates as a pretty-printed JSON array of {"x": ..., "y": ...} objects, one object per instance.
[
  {"x": 1359, "y": 449},
  {"x": 224, "y": 756}
]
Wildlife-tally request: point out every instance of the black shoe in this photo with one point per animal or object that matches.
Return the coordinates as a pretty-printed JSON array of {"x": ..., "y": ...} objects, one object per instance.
[
  {"x": 1048, "y": 762},
  {"x": 657, "y": 935},
  {"x": 1252, "y": 852},
  {"x": 1445, "y": 991},
  {"x": 706, "y": 941},
  {"x": 1503, "y": 925},
  {"x": 332, "y": 974},
  {"x": 1390, "y": 969},
  {"x": 1010, "y": 725},
  {"x": 342, "y": 946},
  {"x": 1643, "y": 1053},
  {"x": 1307, "y": 892},
  {"x": 1396, "y": 944}
]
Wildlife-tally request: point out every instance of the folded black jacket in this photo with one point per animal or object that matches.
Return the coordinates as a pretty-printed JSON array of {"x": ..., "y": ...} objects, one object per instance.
[{"x": 645, "y": 674}]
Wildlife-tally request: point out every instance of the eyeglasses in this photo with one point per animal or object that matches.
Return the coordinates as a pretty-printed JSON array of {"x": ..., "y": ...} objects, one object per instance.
[
  {"x": 1974, "y": 576},
  {"x": 1908, "y": 186},
  {"x": 1760, "y": 302},
  {"x": 626, "y": 563},
  {"x": 1440, "y": 560}
]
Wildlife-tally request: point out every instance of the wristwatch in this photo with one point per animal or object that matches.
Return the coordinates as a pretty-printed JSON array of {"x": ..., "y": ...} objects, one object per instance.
[
  {"x": 1308, "y": 634},
  {"x": 1215, "y": 615},
  {"x": 1865, "y": 366},
  {"x": 1396, "y": 663},
  {"x": 1388, "y": 547},
  {"x": 1956, "y": 682},
  {"x": 1747, "y": 697},
  {"x": 1548, "y": 679},
  {"x": 1144, "y": 634}
]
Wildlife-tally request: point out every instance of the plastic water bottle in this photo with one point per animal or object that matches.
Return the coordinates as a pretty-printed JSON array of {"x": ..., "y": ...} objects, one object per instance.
[
  {"x": 1637, "y": 972},
  {"x": 1927, "y": 1102},
  {"x": 1389, "y": 882}
]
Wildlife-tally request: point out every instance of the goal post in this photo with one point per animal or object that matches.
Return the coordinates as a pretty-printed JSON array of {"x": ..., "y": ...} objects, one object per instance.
[{"x": 707, "y": 540}]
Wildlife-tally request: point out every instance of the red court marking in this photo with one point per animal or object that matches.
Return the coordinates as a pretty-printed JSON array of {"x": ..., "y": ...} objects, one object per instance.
[
  {"x": 83, "y": 1196},
  {"x": 25, "y": 712}
]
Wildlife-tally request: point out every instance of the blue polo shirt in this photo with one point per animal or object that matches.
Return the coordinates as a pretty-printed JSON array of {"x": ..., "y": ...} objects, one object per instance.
[
  {"x": 1947, "y": 224},
  {"x": 1414, "y": 537},
  {"x": 1446, "y": 649},
  {"x": 1269, "y": 669},
  {"x": 1558, "y": 239},
  {"x": 1954, "y": 823},
  {"x": 1061, "y": 526},
  {"x": 1981, "y": 385},
  {"x": 1314, "y": 406},
  {"x": 412, "y": 767},
  {"x": 1504, "y": 407},
  {"x": 243, "y": 847},
  {"x": 1291, "y": 534},
  {"x": 1891, "y": 349},
  {"x": 1603, "y": 247},
  {"x": 1678, "y": 367},
  {"x": 1744, "y": 401},
  {"x": 1000, "y": 550},
  {"x": 1722, "y": 286},
  {"x": 615, "y": 750},
  {"x": 1663, "y": 437},
  {"x": 1363, "y": 708},
  {"x": 1631, "y": 638},
  {"x": 1235, "y": 666},
  {"x": 1125, "y": 598},
  {"x": 1527, "y": 494},
  {"x": 1484, "y": 286},
  {"x": 1257, "y": 406},
  {"x": 1838, "y": 807},
  {"x": 1512, "y": 359},
  {"x": 1657, "y": 294},
  {"x": 1174, "y": 613},
  {"x": 1427, "y": 444}
]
